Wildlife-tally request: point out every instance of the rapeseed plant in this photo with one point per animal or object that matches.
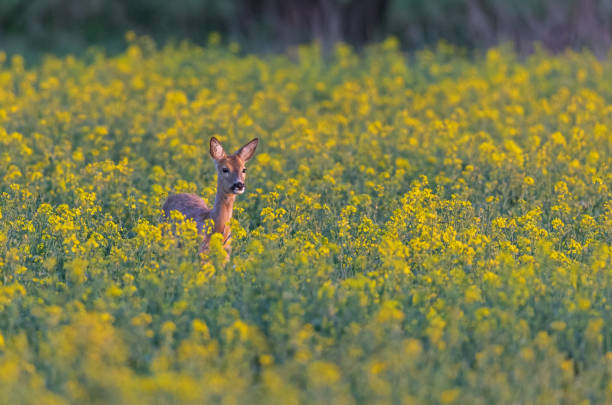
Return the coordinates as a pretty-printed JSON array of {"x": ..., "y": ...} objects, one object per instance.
[{"x": 428, "y": 228}]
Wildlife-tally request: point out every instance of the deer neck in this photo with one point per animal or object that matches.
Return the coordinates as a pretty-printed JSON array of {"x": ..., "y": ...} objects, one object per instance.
[{"x": 222, "y": 210}]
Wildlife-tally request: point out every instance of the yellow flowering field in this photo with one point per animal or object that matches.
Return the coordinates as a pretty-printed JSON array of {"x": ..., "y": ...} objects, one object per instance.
[{"x": 420, "y": 229}]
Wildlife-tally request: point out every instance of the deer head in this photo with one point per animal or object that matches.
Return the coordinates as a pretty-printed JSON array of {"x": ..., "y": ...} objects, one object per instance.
[{"x": 231, "y": 170}]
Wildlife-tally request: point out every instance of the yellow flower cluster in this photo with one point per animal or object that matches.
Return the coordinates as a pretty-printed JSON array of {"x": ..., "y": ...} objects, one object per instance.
[{"x": 425, "y": 228}]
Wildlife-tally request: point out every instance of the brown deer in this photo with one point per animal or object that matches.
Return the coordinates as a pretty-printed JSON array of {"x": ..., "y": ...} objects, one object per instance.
[{"x": 231, "y": 175}]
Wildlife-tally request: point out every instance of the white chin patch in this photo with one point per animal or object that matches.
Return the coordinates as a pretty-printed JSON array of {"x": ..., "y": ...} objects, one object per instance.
[{"x": 239, "y": 191}]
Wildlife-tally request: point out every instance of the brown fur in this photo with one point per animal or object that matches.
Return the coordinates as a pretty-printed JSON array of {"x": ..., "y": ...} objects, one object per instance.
[{"x": 230, "y": 173}]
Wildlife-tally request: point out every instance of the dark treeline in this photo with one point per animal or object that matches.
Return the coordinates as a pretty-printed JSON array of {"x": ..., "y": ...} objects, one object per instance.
[{"x": 263, "y": 25}]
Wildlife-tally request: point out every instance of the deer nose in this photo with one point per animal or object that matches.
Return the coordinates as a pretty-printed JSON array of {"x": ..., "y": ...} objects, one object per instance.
[{"x": 238, "y": 185}]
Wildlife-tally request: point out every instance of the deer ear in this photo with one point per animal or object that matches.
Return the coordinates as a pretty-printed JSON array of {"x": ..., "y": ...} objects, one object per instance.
[
  {"x": 248, "y": 150},
  {"x": 216, "y": 150}
]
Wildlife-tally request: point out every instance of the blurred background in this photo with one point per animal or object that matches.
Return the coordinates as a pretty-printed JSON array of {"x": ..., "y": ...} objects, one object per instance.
[{"x": 61, "y": 26}]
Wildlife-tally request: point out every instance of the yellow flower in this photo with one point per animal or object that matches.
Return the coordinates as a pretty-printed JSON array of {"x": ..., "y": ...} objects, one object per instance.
[
  {"x": 472, "y": 294},
  {"x": 168, "y": 327},
  {"x": 323, "y": 373},
  {"x": 266, "y": 360},
  {"x": 449, "y": 396},
  {"x": 391, "y": 220}
]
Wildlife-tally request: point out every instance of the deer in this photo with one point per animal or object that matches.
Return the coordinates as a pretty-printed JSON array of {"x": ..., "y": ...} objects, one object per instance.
[{"x": 231, "y": 176}]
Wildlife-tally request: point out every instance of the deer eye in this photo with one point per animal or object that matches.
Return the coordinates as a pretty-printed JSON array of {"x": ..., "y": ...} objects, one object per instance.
[
  {"x": 244, "y": 170},
  {"x": 225, "y": 170}
]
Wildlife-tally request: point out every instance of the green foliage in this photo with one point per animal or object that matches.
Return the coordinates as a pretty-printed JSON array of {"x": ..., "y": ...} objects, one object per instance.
[
  {"x": 424, "y": 230},
  {"x": 69, "y": 26}
]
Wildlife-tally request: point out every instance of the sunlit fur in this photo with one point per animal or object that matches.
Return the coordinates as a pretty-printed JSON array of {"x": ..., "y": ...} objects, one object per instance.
[{"x": 231, "y": 176}]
